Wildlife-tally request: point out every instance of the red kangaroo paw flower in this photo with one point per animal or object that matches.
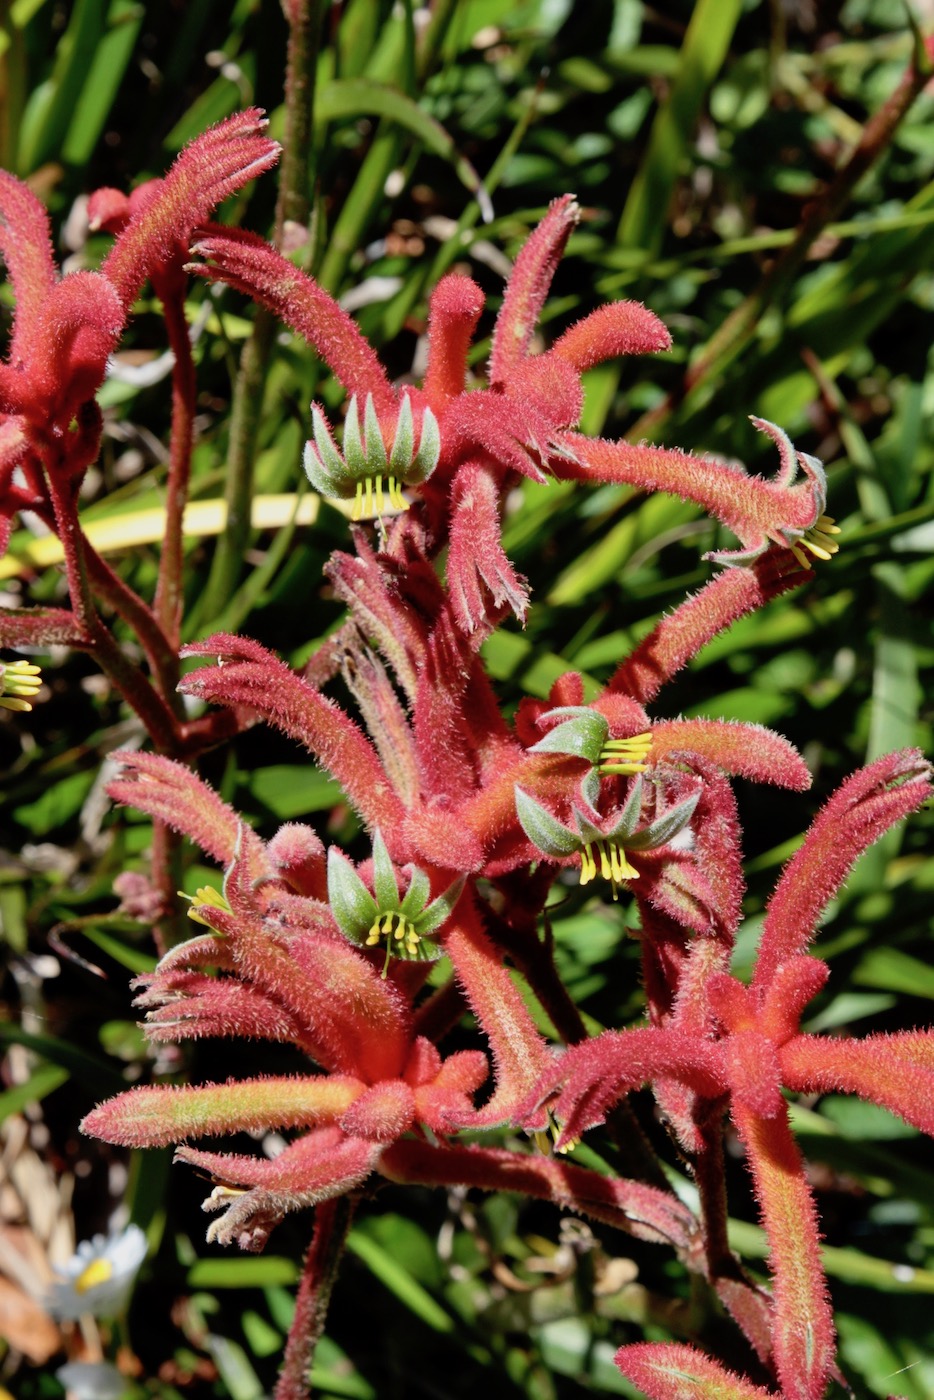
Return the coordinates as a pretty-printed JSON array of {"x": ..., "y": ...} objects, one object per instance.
[
  {"x": 157, "y": 1116},
  {"x": 174, "y": 794},
  {"x": 249, "y": 675},
  {"x": 701, "y": 617},
  {"x": 453, "y": 312},
  {"x": 26, "y": 247},
  {"x": 896, "y": 1071},
  {"x": 210, "y": 168},
  {"x": 742, "y": 750},
  {"x": 193, "y": 1006},
  {"x": 478, "y": 572},
  {"x": 802, "y": 1330},
  {"x": 622, "y": 328},
  {"x": 255, "y": 1194},
  {"x": 756, "y": 510},
  {"x": 528, "y": 286},
  {"x": 519, "y": 1053},
  {"x": 855, "y": 816},
  {"x": 672, "y": 1371},
  {"x": 74, "y": 333},
  {"x": 589, "y": 1078},
  {"x": 254, "y": 267}
]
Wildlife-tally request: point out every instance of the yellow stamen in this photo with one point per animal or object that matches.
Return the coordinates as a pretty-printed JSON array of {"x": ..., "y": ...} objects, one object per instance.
[
  {"x": 372, "y": 496},
  {"x": 588, "y": 866},
  {"x": 206, "y": 895},
  {"x": 395, "y": 928},
  {"x": 98, "y": 1271},
  {"x": 545, "y": 1138},
  {"x": 221, "y": 1192},
  {"x": 19, "y": 684},
  {"x": 818, "y": 538},
  {"x": 625, "y": 756},
  {"x": 614, "y": 865}
]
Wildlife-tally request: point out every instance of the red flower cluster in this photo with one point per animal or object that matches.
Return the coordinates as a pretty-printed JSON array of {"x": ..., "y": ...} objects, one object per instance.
[{"x": 473, "y": 818}]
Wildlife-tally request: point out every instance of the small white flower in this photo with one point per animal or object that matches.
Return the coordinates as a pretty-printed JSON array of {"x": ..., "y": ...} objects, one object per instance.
[
  {"x": 92, "y": 1380},
  {"x": 98, "y": 1277}
]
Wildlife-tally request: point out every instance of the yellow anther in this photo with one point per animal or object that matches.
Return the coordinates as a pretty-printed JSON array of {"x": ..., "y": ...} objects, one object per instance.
[
  {"x": 614, "y": 865},
  {"x": 19, "y": 684},
  {"x": 588, "y": 866},
  {"x": 545, "y": 1139},
  {"x": 205, "y": 896},
  {"x": 221, "y": 1192},
  {"x": 819, "y": 540},
  {"x": 625, "y": 756},
  {"x": 98, "y": 1271},
  {"x": 395, "y": 928},
  {"x": 373, "y": 494}
]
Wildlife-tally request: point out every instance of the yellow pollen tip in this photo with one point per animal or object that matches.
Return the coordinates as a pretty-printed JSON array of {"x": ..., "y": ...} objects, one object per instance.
[
  {"x": 19, "y": 684},
  {"x": 625, "y": 756},
  {"x": 98, "y": 1271},
  {"x": 373, "y": 494},
  {"x": 818, "y": 539},
  {"x": 614, "y": 865},
  {"x": 396, "y": 929},
  {"x": 205, "y": 896},
  {"x": 546, "y": 1138}
]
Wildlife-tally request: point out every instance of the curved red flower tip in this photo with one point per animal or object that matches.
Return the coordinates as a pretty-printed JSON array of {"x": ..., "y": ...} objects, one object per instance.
[
  {"x": 254, "y": 1194},
  {"x": 244, "y": 261},
  {"x": 26, "y": 247},
  {"x": 55, "y": 371},
  {"x": 482, "y": 584},
  {"x": 174, "y": 794},
  {"x": 528, "y": 286},
  {"x": 866, "y": 805},
  {"x": 453, "y": 312},
  {"x": 213, "y": 166},
  {"x": 673, "y": 1371},
  {"x": 583, "y": 1085},
  {"x": 621, "y": 328},
  {"x": 297, "y": 855},
  {"x": 108, "y": 210},
  {"x": 759, "y": 512}
]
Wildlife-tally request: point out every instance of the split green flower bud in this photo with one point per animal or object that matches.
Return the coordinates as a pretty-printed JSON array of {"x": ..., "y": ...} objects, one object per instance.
[
  {"x": 603, "y": 848},
  {"x": 366, "y": 471},
  {"x": 585, "y": 734},
  {"x": 404, "y": 923}
]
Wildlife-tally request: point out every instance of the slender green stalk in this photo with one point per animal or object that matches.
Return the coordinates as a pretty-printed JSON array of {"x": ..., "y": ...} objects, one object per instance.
[{"x": 296, "y": 182}]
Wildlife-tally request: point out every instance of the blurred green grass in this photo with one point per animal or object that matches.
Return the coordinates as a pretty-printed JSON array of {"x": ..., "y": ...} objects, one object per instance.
[{"x": 695, "y": 136}]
